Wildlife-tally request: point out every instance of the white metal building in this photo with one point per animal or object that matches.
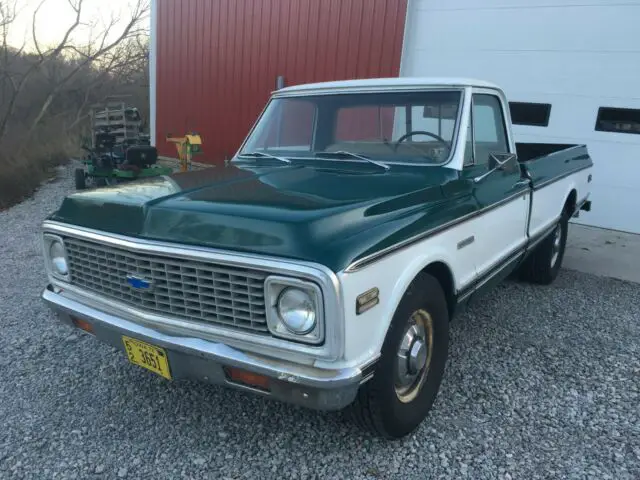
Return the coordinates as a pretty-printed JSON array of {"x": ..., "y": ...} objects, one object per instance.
[{"x": 579, "y": 60}]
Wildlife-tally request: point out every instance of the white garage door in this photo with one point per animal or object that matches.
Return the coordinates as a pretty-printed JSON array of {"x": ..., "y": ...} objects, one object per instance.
[{"x": 580, "y": 57}]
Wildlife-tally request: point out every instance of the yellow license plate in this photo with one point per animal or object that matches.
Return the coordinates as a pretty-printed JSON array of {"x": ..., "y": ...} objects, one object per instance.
[{"x": 147, "y": 356}]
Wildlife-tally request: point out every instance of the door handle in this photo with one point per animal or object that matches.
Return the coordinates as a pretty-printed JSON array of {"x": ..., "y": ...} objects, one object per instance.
[{"x": 521, "y": 183}]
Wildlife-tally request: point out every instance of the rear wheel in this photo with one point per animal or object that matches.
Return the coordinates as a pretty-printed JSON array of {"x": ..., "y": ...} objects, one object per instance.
[
  {"x": 80, "y": 179},
  {"x": 407, "y": 377},
  {"x": 544, "y": 263}
]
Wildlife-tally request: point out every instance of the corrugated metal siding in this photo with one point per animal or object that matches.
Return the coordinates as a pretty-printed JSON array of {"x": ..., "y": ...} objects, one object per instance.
[{"x": 217, "y": 60}]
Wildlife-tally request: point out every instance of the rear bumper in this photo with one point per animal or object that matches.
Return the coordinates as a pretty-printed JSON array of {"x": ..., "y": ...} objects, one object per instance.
[
  {"x": 203, "y": 360},
  {"x": 583, "y": 204}
]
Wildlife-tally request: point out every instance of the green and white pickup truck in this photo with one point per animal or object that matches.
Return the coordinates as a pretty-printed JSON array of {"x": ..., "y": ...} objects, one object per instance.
[{"x": 323, "y": 264}]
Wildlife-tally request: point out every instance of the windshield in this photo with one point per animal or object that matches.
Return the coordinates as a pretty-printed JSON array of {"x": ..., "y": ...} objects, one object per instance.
[{"x": 400, "y": 127}]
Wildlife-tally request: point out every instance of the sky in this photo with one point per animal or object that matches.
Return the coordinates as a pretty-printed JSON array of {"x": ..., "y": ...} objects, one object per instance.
[{"x": 55, "y": 17}]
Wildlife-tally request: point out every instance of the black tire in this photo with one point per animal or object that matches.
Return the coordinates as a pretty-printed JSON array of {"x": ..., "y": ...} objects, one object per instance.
[
  {"x": 377, "y": 407},
  {"x": 80, "y": 179},
  {"x": 540, "y": 266}
]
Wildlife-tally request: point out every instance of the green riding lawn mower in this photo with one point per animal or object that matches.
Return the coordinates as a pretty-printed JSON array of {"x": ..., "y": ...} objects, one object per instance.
[{"x": 118, "y": 151}]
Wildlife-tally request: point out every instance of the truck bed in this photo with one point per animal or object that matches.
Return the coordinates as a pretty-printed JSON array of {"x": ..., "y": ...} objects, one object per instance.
[
  {"x": 531, "y": 151},
  {"x": 547, "y": 162}
]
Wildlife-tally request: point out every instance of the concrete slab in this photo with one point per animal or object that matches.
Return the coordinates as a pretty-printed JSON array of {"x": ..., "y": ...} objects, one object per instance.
[{"x": 608, "y": 253}]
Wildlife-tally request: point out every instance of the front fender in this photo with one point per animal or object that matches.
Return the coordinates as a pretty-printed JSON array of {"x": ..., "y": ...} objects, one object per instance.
[{"x": 392, "y": 275}]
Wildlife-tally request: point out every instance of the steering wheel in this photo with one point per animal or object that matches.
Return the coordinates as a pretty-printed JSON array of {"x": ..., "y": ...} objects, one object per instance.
[{"x": 420, "y": 132}]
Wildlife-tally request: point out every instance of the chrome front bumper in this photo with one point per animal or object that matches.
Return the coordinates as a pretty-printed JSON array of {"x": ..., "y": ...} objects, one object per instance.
[{"x": 204, "y": 360}]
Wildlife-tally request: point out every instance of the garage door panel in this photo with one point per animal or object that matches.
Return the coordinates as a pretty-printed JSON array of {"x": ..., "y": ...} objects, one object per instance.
[
  {"x": 563, "y": 72},
  {"x": 573, "y": 120},
  {"x": 493, "y": 4},
  {"x": 617, "y": 165},
  {"x": 578, "y": 58},
  {"x": 609, "y": 29},
  {"x": 612, "y": 208}
]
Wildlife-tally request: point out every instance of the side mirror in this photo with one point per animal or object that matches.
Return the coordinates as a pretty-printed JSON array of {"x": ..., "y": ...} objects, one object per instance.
[{"x": 497, "y": 161}]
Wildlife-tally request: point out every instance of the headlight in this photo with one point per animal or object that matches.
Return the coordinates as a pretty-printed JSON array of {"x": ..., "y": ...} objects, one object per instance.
[
  {"x": 56, "y": 256},
  {"x": 297, "y": 310},
  {"x": 294, "y": 309}
]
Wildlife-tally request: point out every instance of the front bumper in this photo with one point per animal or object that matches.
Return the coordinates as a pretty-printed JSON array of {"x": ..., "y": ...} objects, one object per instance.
[{"x": 203, "y": 360}]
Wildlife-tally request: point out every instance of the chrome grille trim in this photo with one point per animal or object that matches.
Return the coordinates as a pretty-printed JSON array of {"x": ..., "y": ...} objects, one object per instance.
[
  {"x": 331, "y": 349},
  {"x": 188, "y": 289}
]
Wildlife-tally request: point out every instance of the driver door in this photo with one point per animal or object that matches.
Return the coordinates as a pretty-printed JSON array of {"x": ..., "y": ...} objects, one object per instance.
[{"x": 502, "y": 195}]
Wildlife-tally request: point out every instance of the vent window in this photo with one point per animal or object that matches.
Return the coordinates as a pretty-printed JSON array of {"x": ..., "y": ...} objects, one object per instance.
[
  {"x": 527, "y": 113},
  {"x": 620, "y": 120}
]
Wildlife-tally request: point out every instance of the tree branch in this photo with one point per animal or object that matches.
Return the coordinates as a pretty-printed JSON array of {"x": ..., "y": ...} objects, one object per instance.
[
  {"x": 78, "y": 9},
  {"x": 33, "y": 28},
  {"x": 142, "y": 8}
]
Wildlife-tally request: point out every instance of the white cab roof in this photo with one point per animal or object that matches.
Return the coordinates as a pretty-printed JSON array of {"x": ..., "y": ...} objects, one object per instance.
[{"x": 386, "y": 84}]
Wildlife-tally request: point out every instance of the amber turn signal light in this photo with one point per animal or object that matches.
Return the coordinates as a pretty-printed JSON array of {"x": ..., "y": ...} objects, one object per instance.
[
  {"x": 250, "y": 379},
  {"x": 82, "y": 324}
]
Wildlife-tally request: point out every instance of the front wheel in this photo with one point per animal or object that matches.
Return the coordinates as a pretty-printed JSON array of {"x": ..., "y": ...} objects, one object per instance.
[{"x": 407, "y": 378}]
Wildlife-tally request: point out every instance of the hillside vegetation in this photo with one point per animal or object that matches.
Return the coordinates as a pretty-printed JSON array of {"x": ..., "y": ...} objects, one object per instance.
[{"x": 46, "y": 91}]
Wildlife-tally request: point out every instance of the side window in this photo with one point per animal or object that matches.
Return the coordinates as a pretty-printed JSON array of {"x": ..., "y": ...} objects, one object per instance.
[{"x": 488, "y": 128}]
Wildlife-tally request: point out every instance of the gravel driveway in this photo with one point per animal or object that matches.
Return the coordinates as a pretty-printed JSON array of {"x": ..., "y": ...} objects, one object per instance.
[{"x": 543, "y": 382}]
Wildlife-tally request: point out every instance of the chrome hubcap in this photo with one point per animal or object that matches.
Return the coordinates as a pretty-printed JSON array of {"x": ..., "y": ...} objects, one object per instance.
[
  {"x": 555, "y": 251},
  {"x": 414, "y": 356}
]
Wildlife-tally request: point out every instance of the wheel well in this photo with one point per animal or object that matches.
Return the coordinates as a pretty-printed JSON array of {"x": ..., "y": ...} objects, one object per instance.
[
  {"x": 570, "y": 204},
  {"x": 443, "y": 274}
]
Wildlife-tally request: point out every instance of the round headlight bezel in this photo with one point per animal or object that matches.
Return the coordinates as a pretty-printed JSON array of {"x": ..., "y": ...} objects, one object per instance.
[
  {"x": 287, "y": 317},
  {"x": 274, "y": 291},
  {"x": 57, "y": 262}
]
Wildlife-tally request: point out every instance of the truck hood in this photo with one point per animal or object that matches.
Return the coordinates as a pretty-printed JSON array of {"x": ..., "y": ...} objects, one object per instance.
[{"x": 322, "y": 214}]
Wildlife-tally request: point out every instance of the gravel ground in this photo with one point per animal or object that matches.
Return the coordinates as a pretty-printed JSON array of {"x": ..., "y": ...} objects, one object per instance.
[{"x": 543, "y": 382}]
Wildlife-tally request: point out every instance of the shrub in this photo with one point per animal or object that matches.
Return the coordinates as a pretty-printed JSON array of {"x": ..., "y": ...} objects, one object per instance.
[{"x": 24, "y": 167}]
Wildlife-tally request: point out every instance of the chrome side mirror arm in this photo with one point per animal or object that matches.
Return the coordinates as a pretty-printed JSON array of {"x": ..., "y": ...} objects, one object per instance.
[{"x": 500, "y": 163}]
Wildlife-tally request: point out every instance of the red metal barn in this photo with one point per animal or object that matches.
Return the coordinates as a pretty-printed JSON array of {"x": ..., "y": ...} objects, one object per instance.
[{"x": 215, "y": 62}]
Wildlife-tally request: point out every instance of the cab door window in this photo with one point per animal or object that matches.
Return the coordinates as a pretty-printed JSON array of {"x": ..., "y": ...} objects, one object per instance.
[{"x": 489, "y": 131}]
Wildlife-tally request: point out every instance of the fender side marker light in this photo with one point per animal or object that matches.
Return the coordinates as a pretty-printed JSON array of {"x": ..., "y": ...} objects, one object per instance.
[{"x": 367, "y": 300}]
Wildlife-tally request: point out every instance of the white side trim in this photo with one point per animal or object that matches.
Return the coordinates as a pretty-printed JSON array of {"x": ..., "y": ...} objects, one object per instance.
[
  {"x": 492, "y": 243},
  {"x": 153, "y": 55}
]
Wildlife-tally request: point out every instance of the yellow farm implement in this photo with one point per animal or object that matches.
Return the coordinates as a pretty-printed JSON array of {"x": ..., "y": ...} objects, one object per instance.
[{"x": 187, "y": 147}]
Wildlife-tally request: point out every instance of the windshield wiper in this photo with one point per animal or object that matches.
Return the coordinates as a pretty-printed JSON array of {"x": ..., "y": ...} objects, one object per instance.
[
  {"x": 344, "y": 153},
  {"x": 264, "y": 155}
]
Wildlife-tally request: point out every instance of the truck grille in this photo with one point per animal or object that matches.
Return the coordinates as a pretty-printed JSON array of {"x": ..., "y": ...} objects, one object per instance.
[{"x": 194, "y": 290}]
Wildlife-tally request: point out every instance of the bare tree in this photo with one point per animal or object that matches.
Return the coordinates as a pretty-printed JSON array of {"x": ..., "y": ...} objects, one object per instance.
[
  {"x": 124, "y": 67},
  {"x": 104, "y": 51},
  {"x": 8, "y": 13},
  {"x": 46, "y": 90},
  {"x": 91, "y": 54},
  {"x": 41, "y": 58}
]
